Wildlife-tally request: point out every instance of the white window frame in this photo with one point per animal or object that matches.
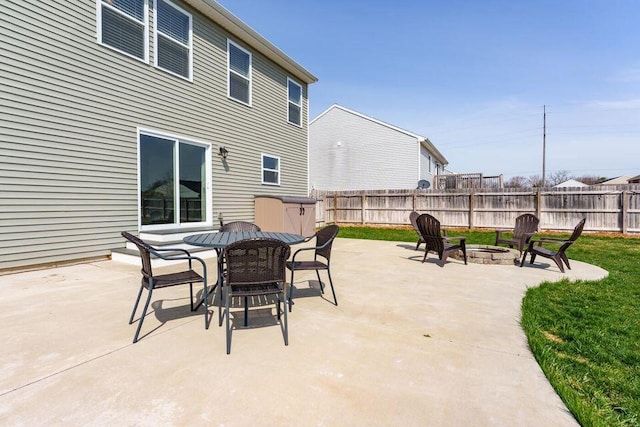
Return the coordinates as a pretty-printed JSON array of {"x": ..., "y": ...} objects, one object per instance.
[
  {"x": 263, "y": 169},
  {"x": 209, "y": 177},
  {"x": 290, "y": 80},
  {"x": 155, "y": 39},
  {"x": 99, "y": 4},
  {"x": 229, "y": 71}
]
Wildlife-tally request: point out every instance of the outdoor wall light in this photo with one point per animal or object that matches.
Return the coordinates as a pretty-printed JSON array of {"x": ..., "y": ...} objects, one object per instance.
[{"x": 223, "y": 152}]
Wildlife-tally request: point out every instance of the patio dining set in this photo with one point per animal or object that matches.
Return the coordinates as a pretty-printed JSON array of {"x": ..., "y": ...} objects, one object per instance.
[{"x": 251, "y": 266}]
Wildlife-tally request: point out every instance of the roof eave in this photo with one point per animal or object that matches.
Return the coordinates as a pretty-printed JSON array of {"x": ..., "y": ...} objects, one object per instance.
[
  {"x": 231, "y": 23},
  {"x": 436, "y": 153}
]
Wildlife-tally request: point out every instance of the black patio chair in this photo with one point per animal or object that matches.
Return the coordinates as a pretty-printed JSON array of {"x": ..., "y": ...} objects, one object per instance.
[
  {"x": 256, "y": 268},
  {"x": 324, "y": 242},
  {"x": 431, "y": 233},
  {"x": 152, "y": 281},
  {"x": 526, "y": 226},
  {"x": 239, "y": 226},
  {"x": 558, "y": 256},
  {"x": 413, "y": 217}
]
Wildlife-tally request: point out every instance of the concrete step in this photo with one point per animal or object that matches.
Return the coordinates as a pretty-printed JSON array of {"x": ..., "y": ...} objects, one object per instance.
[
  {"x": 132, "y": 256},
  {"x": 163, "y": 239}
]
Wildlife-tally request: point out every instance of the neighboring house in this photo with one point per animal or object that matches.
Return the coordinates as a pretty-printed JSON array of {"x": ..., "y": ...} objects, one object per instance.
[
  {"x": 634, "y": 180},
  {"x": 620, "y": 180},
  {"x": 113, "y": 116},
  {"x": 570, "y": 183},
  {"x": 351, "y": 151}
]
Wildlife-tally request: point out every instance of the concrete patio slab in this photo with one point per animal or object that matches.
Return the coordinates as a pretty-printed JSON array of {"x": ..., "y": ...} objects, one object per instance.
[{"x": 409, "y": 344}]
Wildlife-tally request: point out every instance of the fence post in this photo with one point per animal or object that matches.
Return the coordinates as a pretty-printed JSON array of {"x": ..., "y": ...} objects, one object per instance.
[
  {"x": 471, "y": 201},
  {"x": 363, "y": 201},
  {"x": 539, "y": 203},
  {"x": 335, "y": 208},
  {"x": 625, "y": 211}
]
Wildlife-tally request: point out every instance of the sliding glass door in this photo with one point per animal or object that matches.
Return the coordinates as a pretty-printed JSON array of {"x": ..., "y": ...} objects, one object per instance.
[{"x": 174, "y": 182}]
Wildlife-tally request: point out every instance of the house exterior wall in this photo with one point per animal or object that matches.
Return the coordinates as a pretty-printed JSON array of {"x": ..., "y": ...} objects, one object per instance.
[
  {"x": 69, "y": 116},
  {"x": 428, "y": 166},
  {"x": 350, "y": 152}
]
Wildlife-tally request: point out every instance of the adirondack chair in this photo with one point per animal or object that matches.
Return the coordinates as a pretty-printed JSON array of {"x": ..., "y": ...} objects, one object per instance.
[
  {"x": 526, "y": 227},
  {"x": 431, "y": 233},
  {"x": 558, "y": 256}
]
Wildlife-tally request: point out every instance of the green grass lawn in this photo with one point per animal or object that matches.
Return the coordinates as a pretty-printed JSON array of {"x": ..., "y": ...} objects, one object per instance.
[{"x": 585, "y": 335}]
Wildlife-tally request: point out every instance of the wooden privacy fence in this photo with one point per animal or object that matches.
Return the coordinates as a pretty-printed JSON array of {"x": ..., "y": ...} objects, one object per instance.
[{"x": 610, "y": 210}]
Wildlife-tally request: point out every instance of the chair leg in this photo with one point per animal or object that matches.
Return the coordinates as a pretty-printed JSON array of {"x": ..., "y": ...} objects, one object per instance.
[
  {"x": 205, "y": 294},
  {"x": 464, "y": 253},
  {"x": 290, "y": 292},
  {"x": 335, "y": 300},
  {"x": 135, "y": 306},
  {"x": 425, "y": 255},
  {"x": 443, "y": 258},
  {"x": 191, "y": 295},
  {"x": 558, "y": 262},
  {"x": 220, "y": 313},
  {"x": 524, "y": 257},
  {"x": 246, "y": 311},
  {"x": 286, "y": 325},
  {"x": 565, "y": 259},
  {"x": 320, "y": 281},
  {"x": 226, "y": 312},
  {"x": 533, "y": 258},
  {"x": 144, "y": 313},
  {"x": 418, "y": 245}
]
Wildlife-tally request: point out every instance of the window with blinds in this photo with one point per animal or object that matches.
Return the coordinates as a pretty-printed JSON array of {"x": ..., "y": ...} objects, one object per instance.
[
  {"x": 239, "y": 73},
  {"x": 294, "y": 91},
  {"x": 122, "y": 25},
  {"x": 173, "y": 52}
]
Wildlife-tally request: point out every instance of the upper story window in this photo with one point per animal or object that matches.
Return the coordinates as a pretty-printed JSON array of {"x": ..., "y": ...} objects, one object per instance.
[
  {"x": 270, "y": 170},
  {"x": 239, "y": 73},
  {"x": 294, "y": 91},
  {"x": 173, "y": 52},
  {"x": 122, "y": 25}
]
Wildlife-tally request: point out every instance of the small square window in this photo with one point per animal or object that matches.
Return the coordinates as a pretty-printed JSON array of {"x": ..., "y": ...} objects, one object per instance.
[
  {"x": 239, "y": 73},
  {"x": 294, "y": 96},
  {"x": 270, "y": 170}
]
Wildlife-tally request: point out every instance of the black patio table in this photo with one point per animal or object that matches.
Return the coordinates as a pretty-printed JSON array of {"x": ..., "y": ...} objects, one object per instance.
[{"x": 221, "y": 239}]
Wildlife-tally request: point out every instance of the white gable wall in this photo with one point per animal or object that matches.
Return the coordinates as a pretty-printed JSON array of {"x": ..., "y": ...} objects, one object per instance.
[{"x": 351, "y": 152}]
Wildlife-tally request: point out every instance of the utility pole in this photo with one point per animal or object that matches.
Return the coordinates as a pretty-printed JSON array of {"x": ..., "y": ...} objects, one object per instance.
[{"x": 544, "y": 145}]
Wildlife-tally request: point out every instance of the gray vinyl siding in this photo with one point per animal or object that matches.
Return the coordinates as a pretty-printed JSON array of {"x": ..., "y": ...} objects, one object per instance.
[
  {"x": 426, "y": 164},
  {"x": 68, "y": 129},
  {"x": 371, "y": 156}
]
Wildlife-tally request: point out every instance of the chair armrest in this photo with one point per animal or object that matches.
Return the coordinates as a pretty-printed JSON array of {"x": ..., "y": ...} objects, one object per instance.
[
  {"x": 293, "y": 258},
  {"x": 308, "y": 238},
  {"x": 185, "y": 258},
  {"x": 170, "y": 250},
  {"x": 449, "y": 238},
  {"x": 542, "y": 240}
]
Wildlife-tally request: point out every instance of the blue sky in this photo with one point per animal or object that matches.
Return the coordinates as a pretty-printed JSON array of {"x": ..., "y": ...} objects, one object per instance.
[{"x": 473, "y": 76}]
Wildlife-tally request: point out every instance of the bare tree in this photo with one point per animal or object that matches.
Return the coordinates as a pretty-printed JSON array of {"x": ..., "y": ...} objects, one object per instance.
[
  {"x": 517, "y": 182},
  {"x": 535, "y": 181},
  {"x": 558, "y": 177}
]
